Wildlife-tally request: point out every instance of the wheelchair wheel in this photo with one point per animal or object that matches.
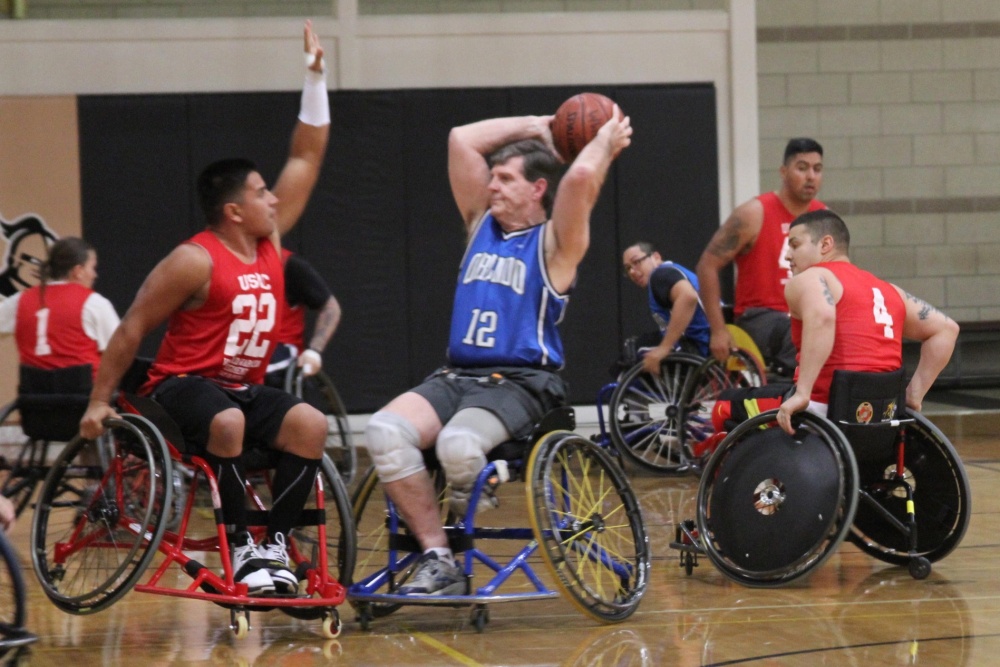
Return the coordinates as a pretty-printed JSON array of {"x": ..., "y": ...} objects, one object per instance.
[
  {"x": 941, "y": 496},
  {"x": 773, "y": 507},
  {"x": 587, "y": 522},
  {"x": 23, "y": 467},
  {"x": 97, "y": 525},
  {"x": 13, "y": 614},
  {"x": 702, "y": 391},
  {"x": 371, "y": 516},
  {"x": 341, "y": 538},
  {"x": 646, "y": 414},
  {"x": 319, "y": 391}
]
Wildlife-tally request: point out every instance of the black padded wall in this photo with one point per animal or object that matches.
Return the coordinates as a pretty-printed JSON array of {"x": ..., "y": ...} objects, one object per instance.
[{"x": 382, "y": 227}]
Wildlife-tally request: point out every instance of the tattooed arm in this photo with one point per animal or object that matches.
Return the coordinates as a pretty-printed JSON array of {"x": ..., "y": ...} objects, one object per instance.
[
  {"x": 812, "y": 297},
  {"x": 937, "y": 334},
  {"x": 735, "y": 236}
]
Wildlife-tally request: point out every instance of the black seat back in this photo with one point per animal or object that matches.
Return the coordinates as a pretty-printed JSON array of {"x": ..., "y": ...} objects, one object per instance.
[
  {"x": 863, "y": 406},
  {"x": 558, "y": 419},
  {"x": 52, "y": 402}
]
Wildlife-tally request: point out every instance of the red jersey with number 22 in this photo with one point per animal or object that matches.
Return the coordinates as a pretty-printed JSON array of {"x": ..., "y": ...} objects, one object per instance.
[
  {"x": 869, "y": 332},
  {"x": 763, "y": 272},
  {"x": 231, "y": 336}
]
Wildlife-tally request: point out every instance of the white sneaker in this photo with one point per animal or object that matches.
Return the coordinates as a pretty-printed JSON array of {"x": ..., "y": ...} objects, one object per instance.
[
  {"x": 276, "y": 556},
  {"x": 249, "y": 567},
  {"x": 435, "y": 577}
]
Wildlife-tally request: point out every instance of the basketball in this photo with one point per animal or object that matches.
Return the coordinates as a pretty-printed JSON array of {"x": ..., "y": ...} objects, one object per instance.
[{"x": 577, "y": 121}]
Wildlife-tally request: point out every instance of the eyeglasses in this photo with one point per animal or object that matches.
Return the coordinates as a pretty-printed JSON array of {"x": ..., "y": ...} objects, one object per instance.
[{"x": 634, "y": 264}]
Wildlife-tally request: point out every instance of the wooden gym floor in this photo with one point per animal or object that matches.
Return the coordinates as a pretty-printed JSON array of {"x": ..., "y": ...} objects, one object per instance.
[{"x": 852, "y": 611}]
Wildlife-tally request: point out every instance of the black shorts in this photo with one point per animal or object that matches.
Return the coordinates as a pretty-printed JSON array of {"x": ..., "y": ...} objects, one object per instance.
[
  {"x": 519, "y": 397},
  {"x": 193, "y": 401}
]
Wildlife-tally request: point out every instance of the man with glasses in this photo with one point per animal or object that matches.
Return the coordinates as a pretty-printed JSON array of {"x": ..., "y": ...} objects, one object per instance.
[{"x": 673, "y": 302}]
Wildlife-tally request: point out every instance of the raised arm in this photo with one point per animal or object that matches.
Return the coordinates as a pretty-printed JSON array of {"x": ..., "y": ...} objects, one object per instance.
[
  {"x": 937, "y": 334},
  {"x": 309, "y": 139},
  {"x": 178, "y": 279},
  {"x": 812, "y": 297},
  {"x": 470, "y": 145},
  {"x": 569, "y": 235},
  {"x": 735, "y": 236}
]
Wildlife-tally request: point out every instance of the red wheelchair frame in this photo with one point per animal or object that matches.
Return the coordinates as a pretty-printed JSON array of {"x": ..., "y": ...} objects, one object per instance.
[{"x": 121, "y": 511}]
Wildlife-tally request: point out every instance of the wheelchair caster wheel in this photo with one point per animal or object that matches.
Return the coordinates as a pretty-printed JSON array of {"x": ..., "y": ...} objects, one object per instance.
[
  {"x": 365, "y": 616},
  {"x": 689, "y": 563},
  {"x": 480, "y": 617},
  {"x": 332, "y": 625},
  {"x": 920, "y": 568},
  {"x": 240, "y": 624}
]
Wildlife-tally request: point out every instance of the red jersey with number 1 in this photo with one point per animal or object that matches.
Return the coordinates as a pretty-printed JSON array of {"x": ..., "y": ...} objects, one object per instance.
[
  {"x": 231, "y": 336},
  {"x": 51, "y": 335},
  {"x": 869, "y": 332},
  {"x": 763, "y": 272}
]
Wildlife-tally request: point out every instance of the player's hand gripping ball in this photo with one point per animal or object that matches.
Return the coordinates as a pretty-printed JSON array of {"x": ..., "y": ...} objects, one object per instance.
[{"x": 577, "y": 121}]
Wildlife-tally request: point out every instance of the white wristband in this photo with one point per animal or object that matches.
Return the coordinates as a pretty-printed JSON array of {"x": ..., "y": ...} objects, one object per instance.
[
  {"x": 310, "y": 362},
  {"x": 315, "y": 107}
]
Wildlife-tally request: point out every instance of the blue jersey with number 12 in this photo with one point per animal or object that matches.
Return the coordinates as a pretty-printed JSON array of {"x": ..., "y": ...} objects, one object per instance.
[{"x": 506, "y": 311}]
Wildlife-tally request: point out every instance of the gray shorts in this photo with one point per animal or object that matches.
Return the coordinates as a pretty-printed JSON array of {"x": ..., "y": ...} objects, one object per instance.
[{"x": 518, "y": 396}]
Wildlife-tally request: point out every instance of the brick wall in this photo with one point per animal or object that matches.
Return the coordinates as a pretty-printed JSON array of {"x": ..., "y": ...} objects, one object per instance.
[
  {"x": 903, "y": 94},
  {"x": 905, "y": 97}
]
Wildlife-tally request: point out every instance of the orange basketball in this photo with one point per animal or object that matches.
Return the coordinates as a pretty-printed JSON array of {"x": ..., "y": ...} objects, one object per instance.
[{"x": 577, "y": 121}]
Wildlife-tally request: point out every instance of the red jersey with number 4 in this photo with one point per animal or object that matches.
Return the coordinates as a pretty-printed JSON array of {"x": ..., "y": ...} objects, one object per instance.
[
  {"x": 51, "y": 335},
  {"x": 763, "y": 272},
  {"x": 231, "y": 336},
  {"x": 293, "y": 318},
  {"x": 869, "y": 332}
]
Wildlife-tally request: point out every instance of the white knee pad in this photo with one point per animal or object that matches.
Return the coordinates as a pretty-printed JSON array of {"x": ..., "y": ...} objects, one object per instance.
[
  {"x": 462, "y": 453},
  {"x": 394, "y": 445}
]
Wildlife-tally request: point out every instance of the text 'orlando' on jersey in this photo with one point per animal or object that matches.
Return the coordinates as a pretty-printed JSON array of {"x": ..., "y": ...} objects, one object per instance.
[
  {"x": 231, "y": 336},
  {"x": 506, "y": 310}
]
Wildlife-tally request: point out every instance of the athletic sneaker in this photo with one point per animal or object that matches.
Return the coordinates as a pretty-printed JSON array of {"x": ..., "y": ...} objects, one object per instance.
[
  {"x": 276, "y": 555},
  {"x": 434, "y": 577},
  {"x": 249, "y": 567}
]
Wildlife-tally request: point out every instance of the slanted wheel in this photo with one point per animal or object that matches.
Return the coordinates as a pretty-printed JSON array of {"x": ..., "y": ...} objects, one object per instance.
[
  {"x": 773, "y": 507},
  {"x": 320, "y": 392},
  {"x": 702, "y": 390},
  {"x": 941, "y": 498},
  {"x": 97, "y": 525},
  {"x": 588, "y": 525},
  {"x": 13, "y": 595},
  {"x": 647, "y": 411},
  {"x": 304, "y": 546},
  {"x": 24, "y": 466},
  {"x": 371, "y": 516}
]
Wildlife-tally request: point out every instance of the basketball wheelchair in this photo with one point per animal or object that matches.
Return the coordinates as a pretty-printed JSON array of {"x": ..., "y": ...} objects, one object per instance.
[
  {"x": 663, "y": 422},
  {"x": 773, "y": 507},
  {"x": 585, "y": 522},
  {"x": 100, "y": 523}
]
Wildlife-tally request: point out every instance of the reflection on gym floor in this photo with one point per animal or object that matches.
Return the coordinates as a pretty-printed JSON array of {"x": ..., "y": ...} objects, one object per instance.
[{"x": 853, "y": 610}]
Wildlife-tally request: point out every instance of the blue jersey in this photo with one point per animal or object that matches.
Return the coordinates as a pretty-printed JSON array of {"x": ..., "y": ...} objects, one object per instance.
[
  {"x": 698, "y": 331},
  {"x": 506, "y": 311}
]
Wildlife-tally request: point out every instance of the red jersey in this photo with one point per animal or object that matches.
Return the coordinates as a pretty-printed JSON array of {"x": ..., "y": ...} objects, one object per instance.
[
  {"x": 231, "y": 336},
  {"x": 293, "y": 318},
  {"x": 869, "y": 332},
  {"x": 52, "y": 335},
  {"x": 763, "y": 272}
]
